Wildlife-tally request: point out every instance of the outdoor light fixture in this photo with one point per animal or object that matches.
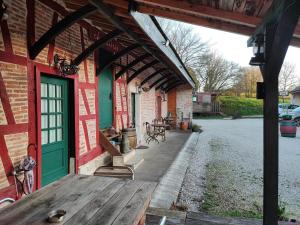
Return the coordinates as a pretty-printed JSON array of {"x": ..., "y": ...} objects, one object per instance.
[
  {"x": 166, "y": 43},
  {"x": 163, "y": 93},
  {"x": 3, "y": 11},
  {"x": 64, "y": 67},
  {"x": 258, "y": 51}
]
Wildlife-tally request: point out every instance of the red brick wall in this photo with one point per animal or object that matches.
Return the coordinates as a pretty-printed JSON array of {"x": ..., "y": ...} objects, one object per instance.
[{"x": 18, "y": 118}]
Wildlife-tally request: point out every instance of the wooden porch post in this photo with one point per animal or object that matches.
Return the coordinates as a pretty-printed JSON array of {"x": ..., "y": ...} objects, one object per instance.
[{"x": 278, "y": 37}]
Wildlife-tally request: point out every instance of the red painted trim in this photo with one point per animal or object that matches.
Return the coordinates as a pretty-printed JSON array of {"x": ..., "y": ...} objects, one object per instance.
[
  {"x": 115, "y": 100},
  {"x": 88, "y": 85},
  {"x": 6, "y": 161},
  {"x": 90, "y": 155},
  {"x": 10, "y": 58},
  {"x": 8, "y": 192},
  {"x": 30, "y": 23},
  {"x": 52, "y": 43},
  {"x": 85, "y": 101},
  {"x": 5, "y": 102},
  {"x": 13, "y": 128},
  {"x": 96, "y": 97},
  {"x": 86, "y": 74},
  {"x": 86, "y": 135},
  {"x": 40, "y": 68},
  {"x": 6, "y": 37},
  {"x": 87, "y": 117}
]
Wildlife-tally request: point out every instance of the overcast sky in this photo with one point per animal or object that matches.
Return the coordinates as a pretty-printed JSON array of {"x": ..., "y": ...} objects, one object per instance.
[{"x": 234, "y": 46}]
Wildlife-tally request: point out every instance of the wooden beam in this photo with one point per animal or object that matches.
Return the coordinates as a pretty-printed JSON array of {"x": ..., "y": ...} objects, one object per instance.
[
  {"x": 59, "y": 27},
  {"x": 133, "y": 63},
  {"x": 173, "y": 86},
  {"x": 141, "y": 70},
  {"x": 185, "y": 7},
  {"x": 279, "y": 33},
  {"x": 152, "y": 76},
  {"x": 97, "y": 44},
  {"x": 165, "y": 82},
  {"x": 117, "y": 56},
  {"x": 158, "y": 81}
]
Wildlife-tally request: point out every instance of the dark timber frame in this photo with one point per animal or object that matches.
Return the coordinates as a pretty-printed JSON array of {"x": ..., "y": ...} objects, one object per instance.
[
  {"x": 158, "y": 81},
  {"x": 278, "y": 26},
  {"x": 97, "y": 44},
  {"x": 165, "y": 82},
  {"x": 142, "y": 69},
  {"x": 59, "y": 27},
  {"x": 117, "y": 56},
  {"x": 172, "y": 86},
  {"x": 153, "y": 75},
  {"x": 133, "y": 63}
]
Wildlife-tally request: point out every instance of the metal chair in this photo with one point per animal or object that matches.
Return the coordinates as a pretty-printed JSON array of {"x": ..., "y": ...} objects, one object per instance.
[{"x": 151, "y": 134}]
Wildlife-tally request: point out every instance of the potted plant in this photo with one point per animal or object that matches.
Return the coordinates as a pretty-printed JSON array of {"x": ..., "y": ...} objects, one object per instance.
[{"x": 183, "y": 124}]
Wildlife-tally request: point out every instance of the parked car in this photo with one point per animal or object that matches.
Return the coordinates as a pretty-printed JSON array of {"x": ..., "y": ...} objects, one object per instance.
[
  {"x": 286, "y": 109},
  {"x": 296, "y": 115}
]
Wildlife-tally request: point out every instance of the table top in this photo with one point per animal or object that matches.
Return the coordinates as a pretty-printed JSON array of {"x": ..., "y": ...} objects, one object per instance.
[
  {"x": 86, "y": 199},
  {"x": 158, "y": 125}
]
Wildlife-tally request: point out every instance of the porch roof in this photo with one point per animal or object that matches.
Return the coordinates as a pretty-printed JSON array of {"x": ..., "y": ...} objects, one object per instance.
[
  {"x": 296, "y": 90},
  {"x": 148, "y": 54}
]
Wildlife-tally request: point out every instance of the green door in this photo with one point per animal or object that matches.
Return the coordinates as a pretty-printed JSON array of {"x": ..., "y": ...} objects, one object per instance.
[
  {"x": 105, "y": 99},
  {"x": 54, "y": 111}
]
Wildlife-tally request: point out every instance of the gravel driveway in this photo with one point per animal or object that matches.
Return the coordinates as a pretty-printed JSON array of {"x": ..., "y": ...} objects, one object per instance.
[{"x": 225, "y": 173}]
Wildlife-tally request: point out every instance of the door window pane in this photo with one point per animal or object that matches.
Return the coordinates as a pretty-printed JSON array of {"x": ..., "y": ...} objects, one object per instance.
[
  {"x": 44, "y": 121},
  {"x": 59, "y": 120},
  {"x": 58, "y": 91},
  {"x": 44, "y": 137},
  {"x": 44, "y": 106},
  {"x": 58, "y": 105},
  {"x": 52, "y": 136},
  {"x": 52, "y": 106},
  {"x": 43, "y": 90},
  {"x": 52, "y": 121},
  {"x": 59, "y": 134},
  {"x": 51, "y": 91}
]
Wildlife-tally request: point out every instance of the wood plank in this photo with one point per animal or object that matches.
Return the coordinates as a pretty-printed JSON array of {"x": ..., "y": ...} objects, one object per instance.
[
  {"x": 36, "y": 211},
  {"x": 166, "y": 212},
  {"x": 105, "y": 143},
  {"x": 135, "y": 209},
  {"x": 89, "y": 209},
  {"x": 107, "y": 214}
]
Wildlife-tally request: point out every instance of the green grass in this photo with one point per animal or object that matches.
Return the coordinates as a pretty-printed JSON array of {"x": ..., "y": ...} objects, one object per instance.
[{"x": 244, "y": 106}]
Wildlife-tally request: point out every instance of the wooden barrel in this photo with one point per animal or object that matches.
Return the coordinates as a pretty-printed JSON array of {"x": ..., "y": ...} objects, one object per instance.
[
  {"x": 131, "y": 133},
  {"x": 288, "y": 128}
]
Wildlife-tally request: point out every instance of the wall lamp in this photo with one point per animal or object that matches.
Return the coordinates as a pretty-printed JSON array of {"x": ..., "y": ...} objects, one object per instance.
[
  {"x": 258, "y": 51},
  {"x": 64, "y": 67},
  {"x": 166, "y": 43},
  {"x": 3, "y": 11}
]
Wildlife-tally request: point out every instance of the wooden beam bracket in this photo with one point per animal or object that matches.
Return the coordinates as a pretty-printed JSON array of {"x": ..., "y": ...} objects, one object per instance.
[
  {"x": 59, "y": 27},
  {"x": 141, "y": 70},
  {"x": 97, "y": 44}
]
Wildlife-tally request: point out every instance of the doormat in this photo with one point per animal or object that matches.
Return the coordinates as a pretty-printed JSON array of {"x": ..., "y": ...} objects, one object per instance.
[{"x": 142, "y": 147}]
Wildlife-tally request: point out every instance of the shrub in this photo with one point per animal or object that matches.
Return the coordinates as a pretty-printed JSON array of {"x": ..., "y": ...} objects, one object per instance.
[{"x": 243, "y": 106}]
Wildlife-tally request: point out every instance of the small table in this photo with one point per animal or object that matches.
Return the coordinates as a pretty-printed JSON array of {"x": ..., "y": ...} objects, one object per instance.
[
  {"x": 86, "y": 199},
  {"x": 160, "y": 128}
]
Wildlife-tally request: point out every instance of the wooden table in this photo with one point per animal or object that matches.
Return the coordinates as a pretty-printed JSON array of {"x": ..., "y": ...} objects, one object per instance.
[
  {"x": 87, "y": 199},
  {"x": 160, "y": 128}
]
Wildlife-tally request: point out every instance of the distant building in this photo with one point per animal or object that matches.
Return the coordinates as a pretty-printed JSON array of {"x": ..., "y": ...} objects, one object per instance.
[
  {"x": 205, "y": 103},
  {"x": 296, "y": 96}
]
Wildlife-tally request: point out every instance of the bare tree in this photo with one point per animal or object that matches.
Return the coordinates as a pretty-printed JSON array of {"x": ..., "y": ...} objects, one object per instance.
[
  {"x": 287, "y": 77},
  {"x": 216, "y": 73},
  {"x": 188, "y": 43}
]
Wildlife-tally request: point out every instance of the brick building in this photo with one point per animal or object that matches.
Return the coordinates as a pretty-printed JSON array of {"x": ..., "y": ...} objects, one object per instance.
[{"x": 56, "y": 117}]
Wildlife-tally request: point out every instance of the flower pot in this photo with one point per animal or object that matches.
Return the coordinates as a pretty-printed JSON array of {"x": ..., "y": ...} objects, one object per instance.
[
  {"x": 184, "y": 125},
  {"x": 288, "y": 128}
]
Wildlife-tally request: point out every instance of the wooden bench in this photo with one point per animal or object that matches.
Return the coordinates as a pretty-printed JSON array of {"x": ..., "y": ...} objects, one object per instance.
[{"x": 86, "y": 199}]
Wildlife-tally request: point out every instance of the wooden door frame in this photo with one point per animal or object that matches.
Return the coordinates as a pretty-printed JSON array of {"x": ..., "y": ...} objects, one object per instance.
[{"x": 39, "y": 71}]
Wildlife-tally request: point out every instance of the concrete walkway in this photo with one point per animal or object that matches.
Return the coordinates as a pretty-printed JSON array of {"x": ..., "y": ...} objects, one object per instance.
[{"x": 166, "y": 163}]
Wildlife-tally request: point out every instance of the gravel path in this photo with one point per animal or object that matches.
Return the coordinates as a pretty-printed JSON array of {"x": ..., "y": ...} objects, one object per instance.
[{"x": 225, "y": 173}]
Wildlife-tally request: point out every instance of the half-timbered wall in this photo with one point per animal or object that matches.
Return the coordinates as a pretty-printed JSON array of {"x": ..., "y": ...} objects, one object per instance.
[{"x": 19, "y": 85}]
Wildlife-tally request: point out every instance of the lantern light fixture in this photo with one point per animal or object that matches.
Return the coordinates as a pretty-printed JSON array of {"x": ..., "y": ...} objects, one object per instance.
[
  {"x": 258, "y": 51},
  {"x": 3, "y": 11},
  {"x": 64, "y": 67}
]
